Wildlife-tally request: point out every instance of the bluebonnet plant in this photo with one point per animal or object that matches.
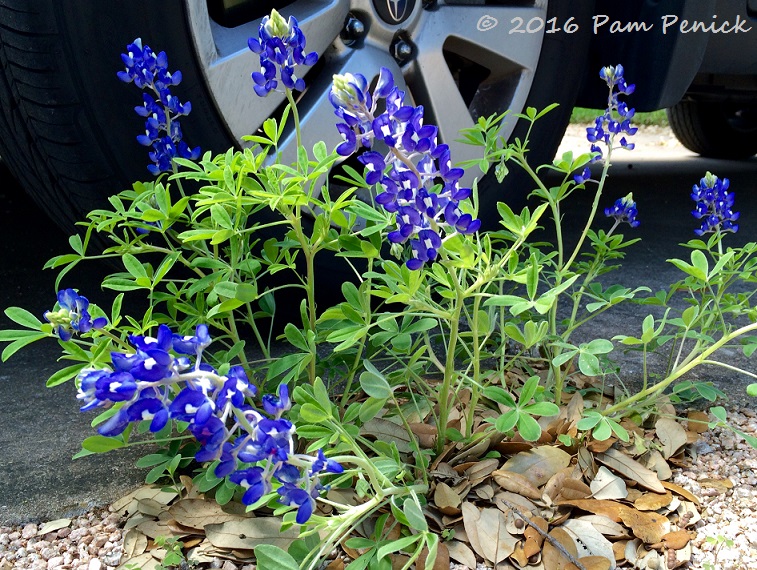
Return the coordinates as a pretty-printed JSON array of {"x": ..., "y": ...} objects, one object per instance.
[
  {"x": 714, "y": 205},
  {"x": 623, "y": 210},
  {"x": 281, "y": 47},
  {"x": 162, "y": 129},
  {"x": 616, "y": 118},
  {"x": 416, "y": 178},
  {"x": 72, "y": 315},
  {"x": 158, "y": 382}
]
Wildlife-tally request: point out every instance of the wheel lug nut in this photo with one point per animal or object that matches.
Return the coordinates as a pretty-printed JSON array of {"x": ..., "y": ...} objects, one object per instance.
[
  {"x": 402, "y": 50},
  {"x": 353, "y": 30}
]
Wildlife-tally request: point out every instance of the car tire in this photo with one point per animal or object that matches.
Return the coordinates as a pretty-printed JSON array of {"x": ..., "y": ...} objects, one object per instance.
[
  {"x": 715, "y": 129},
  {"x": 67, "y": 127}
]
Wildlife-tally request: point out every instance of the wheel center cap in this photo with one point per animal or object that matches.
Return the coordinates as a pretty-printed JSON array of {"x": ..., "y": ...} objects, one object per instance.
[{"x": 394, "y": 11}]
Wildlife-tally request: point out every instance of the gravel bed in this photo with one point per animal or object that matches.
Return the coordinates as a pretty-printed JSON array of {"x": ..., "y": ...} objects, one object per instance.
[{"x": 94, "y": 541}]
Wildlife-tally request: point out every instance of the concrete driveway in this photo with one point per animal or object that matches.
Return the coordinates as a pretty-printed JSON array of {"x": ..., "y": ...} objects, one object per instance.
[{"x": 40, "y": 429}]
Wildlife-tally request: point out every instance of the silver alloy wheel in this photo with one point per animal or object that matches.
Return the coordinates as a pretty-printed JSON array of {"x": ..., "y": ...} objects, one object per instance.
[{"x": 474, "y": 36}]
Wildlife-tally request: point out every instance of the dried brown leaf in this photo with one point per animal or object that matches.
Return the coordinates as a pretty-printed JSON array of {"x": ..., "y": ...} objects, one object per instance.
[
  {"x": 596, "y": 563},
  {"x": 471, "y": 521},
  {"x": 671, "y": 434},
  {"x": 460, "y": 552},
  {"x": 653, "y": 501},
  {"x": 698, "y": 421},
  {"x": 619, "y": 550},
  {"x": 156, "y": 493},
  {"x": 589, "y": 541},
  {"x": 384, "y": 430},
  {"x": 135, "y": 543},
  {"x": 607, "y": 485},
  {"x": 555, "y": 484},
  {"x": 496, "y": 543},
  {"x": 551, "y": 556},
  {"x": 605, "y": 525},
  {"x": 512, "y": 447},
  {"x": 480, "y": 470},
  {"x": 516, "y": 483},
  {"x": 657, "y": 463},
  {"x": 631, "y": 469},
  {"x": 143, "y": 562},
  {"x": 425, "y": 433},
  {"x": 539, "y": 463},
  {"x": 196, "y": 513},
  {"x": 720, "y": 485},
  {"x": 446, "y": 500},
  {"x": 574, "y": 489},
  {"x": 52, "y": 526},
  {"x": 597, "y": 446},
  {"x": 676, "y": 539},
  {"x": 650, "y": 527},
  {"x": 249, "y": 533},
  {"x": 519, "y": 501},
  {"x": 156, "y": 528}
]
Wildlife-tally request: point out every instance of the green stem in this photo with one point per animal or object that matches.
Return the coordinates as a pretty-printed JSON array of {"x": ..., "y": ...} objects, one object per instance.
[
  {"x": 449, "y": 365},
  {"x": 295, "y": 116},
  {"x": 476, "y": 384},
  {"x": 676, "y": 374}
]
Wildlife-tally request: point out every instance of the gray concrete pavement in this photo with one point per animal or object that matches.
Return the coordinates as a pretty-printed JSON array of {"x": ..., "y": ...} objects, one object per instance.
[{"x": 40, "y": 429}]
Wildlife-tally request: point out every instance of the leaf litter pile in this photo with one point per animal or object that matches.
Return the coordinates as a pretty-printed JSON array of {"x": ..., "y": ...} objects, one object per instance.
[{"x": 504, "y": 504}]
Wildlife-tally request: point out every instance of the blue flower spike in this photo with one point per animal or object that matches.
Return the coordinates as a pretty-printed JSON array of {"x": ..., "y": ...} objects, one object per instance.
[
  {"x": 280, "y": 46},
  {"x": 415, "y": 178},
  {"x": 149, "y": 71},
  {"x": 624, "y": 211},
  {"x": 614, "y": 121},
  {"x": 714, "y": 205},
  {"x": 158, "y": 382},
  {"x": 72, "y": 315}
]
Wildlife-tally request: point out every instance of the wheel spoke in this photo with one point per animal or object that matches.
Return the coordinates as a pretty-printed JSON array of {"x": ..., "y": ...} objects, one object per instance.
[
  {"x": 461, "y": 26},
  {"x": 510, "y": 58}
]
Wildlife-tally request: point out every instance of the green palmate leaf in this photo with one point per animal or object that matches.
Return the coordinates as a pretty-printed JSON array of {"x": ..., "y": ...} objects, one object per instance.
[
  {"x": 500, "y": 396},
  {"x": 269, "y": 557},
  {"x": 602, "y": 431},
  {"x": 23, "y": 317},
  {"x": 528, "y": 390},
  {"x": 542, "y": 409},
  {"x": 101, "y": 444},
  {"x": 590, "y": 419},
  {"x": 22, "y": 338},
  {"x": 133, "y": 266},
  {"x": 397, "y": 545},
  {"x": 528, "y": 428},
  {"x": 414, "y": 513},
  {"x": 63, "y": 375},
  {"x": 589, "y": 364},
  {"x": 313, "y": 414},
  {"x": 370, "y": 408},
  {"x": 507, "y": 421},
  {"x": 374, "y": 383}
]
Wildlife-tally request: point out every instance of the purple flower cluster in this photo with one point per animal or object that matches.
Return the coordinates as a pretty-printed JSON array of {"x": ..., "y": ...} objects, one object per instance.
[
  {"x": 623, "y": 210},
  {"x": 616, "y": 118},
  {"x": 72, "y": 315},
  {"x": 417, "y": 180},
  {"x": 158, "y": 382},
  {"x": 281, "y": 47},
  {"x": 714, "y": 205},
  {"x": 162, "y": 130}
]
